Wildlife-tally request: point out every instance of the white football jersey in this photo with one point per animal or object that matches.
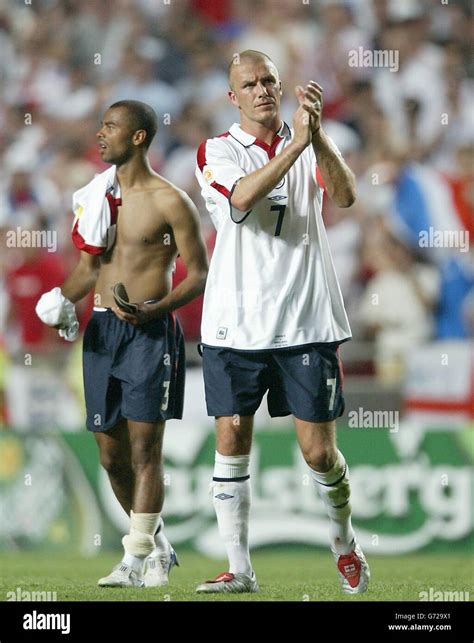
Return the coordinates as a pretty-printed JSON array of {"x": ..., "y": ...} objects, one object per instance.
[{"x": 271, "y": 282}]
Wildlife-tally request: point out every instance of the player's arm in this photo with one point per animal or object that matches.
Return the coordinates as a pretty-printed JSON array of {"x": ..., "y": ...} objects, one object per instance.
[
  {"x": 83, "y": 277},
  {"x": 256, "y": 185},
  {"x": 183, "y": 217},
  {"x": 338, "y": 177}
]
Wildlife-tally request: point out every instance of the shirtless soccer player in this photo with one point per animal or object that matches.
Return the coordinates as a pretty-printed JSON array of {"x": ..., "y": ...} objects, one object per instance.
[
  {"x": 273, "y": 313},
  {"x": 134, "y": 363}
]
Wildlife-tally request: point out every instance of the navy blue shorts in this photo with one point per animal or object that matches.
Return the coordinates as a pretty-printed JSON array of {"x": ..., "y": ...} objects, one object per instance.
[
  {"x": 305, "y": 381},
  {"x": 133, "y": 372}
]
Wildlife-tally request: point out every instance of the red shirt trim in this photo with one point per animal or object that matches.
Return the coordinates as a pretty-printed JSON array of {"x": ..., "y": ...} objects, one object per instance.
[
  {"x": 79, "y": 240},
  {"x": 202, "y": 161}
]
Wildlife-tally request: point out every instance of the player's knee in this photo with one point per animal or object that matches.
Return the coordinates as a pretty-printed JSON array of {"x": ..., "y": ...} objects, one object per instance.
[
  {"x": 144, "y": 455},
  {"x": 234, "y": 440},
  {"x": 234, "y": 445},
  {"x": 115, "y": 464},
  {"x": 320, "y": 458}
]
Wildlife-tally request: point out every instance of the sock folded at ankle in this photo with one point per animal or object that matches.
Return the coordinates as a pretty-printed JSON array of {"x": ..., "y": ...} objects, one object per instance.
[{"x": 140, "y": 542}]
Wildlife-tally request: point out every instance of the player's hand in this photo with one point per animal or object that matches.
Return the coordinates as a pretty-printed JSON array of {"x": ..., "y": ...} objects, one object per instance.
[
  {"x": 144, "y": 314},
  {"x": 301, "y": 127},
  {"x": 311, "y": 100}
]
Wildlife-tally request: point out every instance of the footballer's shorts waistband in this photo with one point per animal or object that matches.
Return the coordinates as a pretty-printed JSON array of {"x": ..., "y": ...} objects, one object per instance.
[{"x": 100, "y": 309}]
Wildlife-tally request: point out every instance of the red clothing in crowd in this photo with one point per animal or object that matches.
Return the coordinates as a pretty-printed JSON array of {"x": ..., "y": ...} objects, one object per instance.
[
  {"x": 213, "y": 12},
  {"x": 190, "y": 314},
  {"x": 25, "y": 285},
  {"x": 462, "y": 189}
]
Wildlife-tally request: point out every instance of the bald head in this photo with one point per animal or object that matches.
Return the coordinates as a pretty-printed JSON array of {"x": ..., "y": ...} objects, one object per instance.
[
  {"x": 255, "y": 89},
  {"x": 251, "y": 56}
]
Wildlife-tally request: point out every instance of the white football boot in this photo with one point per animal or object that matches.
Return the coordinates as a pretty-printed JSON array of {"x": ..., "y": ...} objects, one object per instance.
[
  {"x": 229, "y": 583},
  {"x": 158, "y": 568},
  {"x": 121, "y": 576},
  {"x": 354, "y": 572}
]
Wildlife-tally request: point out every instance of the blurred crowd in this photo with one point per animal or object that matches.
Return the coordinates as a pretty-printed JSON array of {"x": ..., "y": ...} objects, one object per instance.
[{"x": 407, "y": 131}]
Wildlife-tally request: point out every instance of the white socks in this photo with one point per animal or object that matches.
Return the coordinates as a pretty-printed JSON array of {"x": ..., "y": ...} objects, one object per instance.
[
  {"x": 232, "y": 497},
  {"x": 162, "y": 545},
  {"x": 134, "y": 562},
  {"x": 333, "y": 487},
  {"x": 140, "y": 542}
]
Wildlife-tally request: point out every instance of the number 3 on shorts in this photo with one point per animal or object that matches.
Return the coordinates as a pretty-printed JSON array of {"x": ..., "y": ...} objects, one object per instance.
[
  {"x": 331, "y": 382},
  {"x": 166, "y": 395}
]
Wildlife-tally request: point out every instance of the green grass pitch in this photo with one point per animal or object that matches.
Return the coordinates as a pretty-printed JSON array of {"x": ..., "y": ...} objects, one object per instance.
[{"x": 283, "y": 575}]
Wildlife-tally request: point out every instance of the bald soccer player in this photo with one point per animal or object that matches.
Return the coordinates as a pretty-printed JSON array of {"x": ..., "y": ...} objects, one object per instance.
[
  {"x": 273, "y": 313},
  {"x": 134, "y": 362}
]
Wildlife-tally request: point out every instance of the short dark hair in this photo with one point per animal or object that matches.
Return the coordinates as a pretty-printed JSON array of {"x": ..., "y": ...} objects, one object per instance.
[
  {"x": 249, "y": 54},
  {"x": 141, "y": 116}
]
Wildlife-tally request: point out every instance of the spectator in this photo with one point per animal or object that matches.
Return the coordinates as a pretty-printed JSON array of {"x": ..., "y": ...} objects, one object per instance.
[
  {"x": 396, "y": 309},
  {"x": 37, "y": 272}
]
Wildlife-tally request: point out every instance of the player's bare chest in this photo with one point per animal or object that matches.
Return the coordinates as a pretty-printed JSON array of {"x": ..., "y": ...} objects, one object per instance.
[{"x": 139, "y": 221}]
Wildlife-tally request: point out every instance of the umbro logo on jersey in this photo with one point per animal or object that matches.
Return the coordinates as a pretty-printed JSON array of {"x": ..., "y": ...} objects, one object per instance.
[
  {"x": 221, "y": 332},
  {"x": 278, "y": 197},
  {"x": 223, "y": 496}
]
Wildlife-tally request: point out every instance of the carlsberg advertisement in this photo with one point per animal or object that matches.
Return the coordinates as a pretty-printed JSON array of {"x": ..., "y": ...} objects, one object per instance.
[{"x": 411, "y": 487}]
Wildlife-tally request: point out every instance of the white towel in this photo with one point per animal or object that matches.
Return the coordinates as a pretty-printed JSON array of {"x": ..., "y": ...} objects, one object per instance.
[
  {"x": 55, "y": 310},
  {"x": 95, "y": 213}
]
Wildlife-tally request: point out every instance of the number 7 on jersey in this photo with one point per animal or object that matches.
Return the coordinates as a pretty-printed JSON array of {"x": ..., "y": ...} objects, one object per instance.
[{"x": 281, "y": 213}]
